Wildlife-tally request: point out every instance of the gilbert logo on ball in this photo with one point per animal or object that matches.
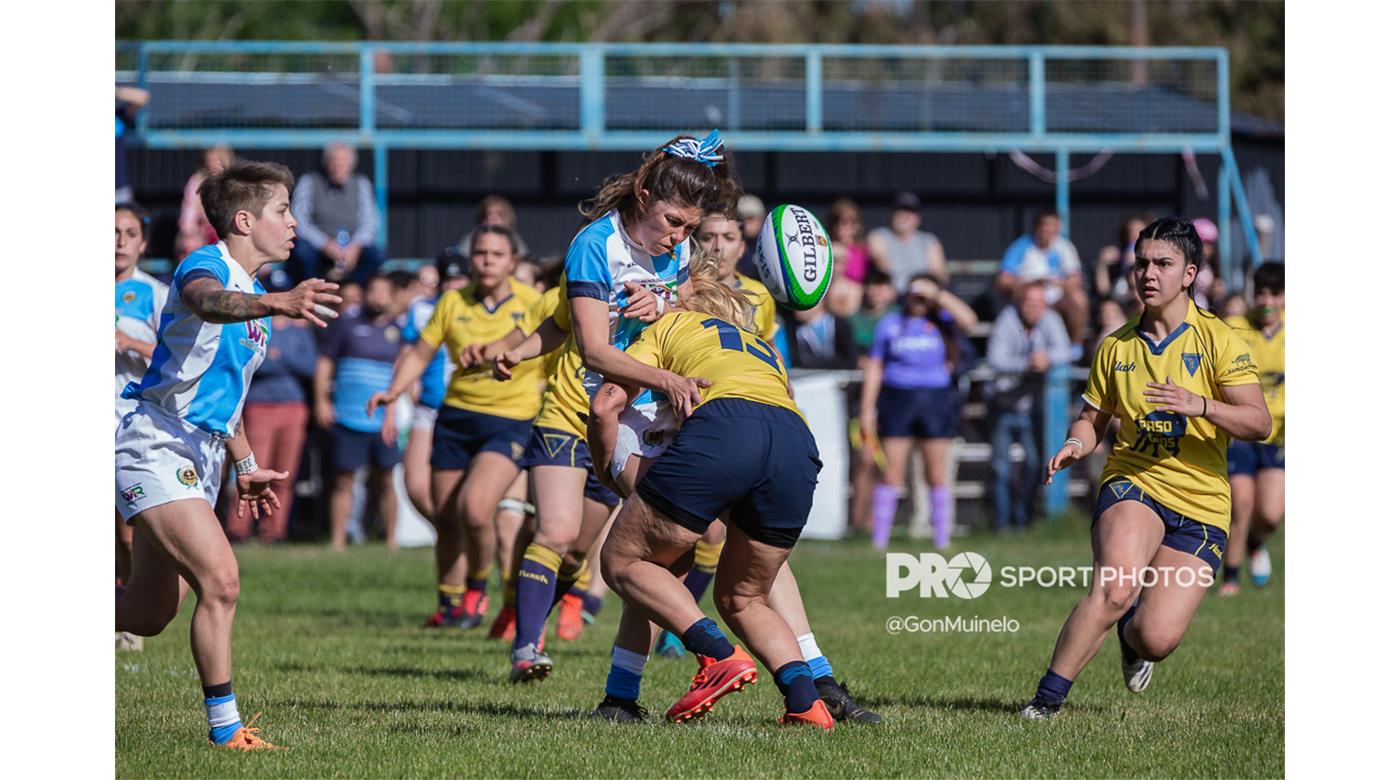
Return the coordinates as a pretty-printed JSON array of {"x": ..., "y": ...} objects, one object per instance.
[{"x": 794, "y": 257}]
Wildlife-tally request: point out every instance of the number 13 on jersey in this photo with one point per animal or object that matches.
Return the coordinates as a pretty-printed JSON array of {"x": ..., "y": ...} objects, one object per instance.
[{"x": 732, "y": 338}]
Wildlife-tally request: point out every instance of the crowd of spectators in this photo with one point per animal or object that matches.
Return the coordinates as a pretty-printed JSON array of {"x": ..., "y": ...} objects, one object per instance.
[{"x": 890, "y": 319}]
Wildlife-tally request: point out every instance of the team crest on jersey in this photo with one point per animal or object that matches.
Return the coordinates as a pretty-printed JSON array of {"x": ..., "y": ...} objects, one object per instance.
[
  {"x": 653, "y": 436},
  {"x": 133, "y": 494},
  {"x": 391, "y": 334},
  {"x": 1120, "y": 489},
  {"x": 1192, "y": 361},
  {"x": 517, "y": 316},
  {"x": 187, "y": 476},
  {"x": 129, "y": 296}
]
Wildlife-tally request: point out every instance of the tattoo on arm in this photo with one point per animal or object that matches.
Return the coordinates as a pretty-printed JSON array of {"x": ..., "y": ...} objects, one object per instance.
[{"x": 208, "y": 299}]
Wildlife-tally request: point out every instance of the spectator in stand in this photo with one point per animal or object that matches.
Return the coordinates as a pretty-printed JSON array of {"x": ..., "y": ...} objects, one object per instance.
[
  {"x": 1209, "y": 288},
  {"x": 275, "y": 417},
  {"x": 337, "y": 222},
  {"x": 1111, "y": 318},
  {"x": 818, "y": 339},
  {"x": 1113, "y": 273},
  {"x": 129, "y": 101},
  {"x": 357, "y": 361},
  {"x": 1044, "y": 254},
  {"x": 902, "y": 250},
  {"x": 1234, "y": 305},
  {"x": 751, "y": 212},
  {"x": 1027, "y": 339},
  {"x": 909, "y": 396},
  {"x": 194, "y": 228},
  {"x": 494, "y": 210},
  {"x": 847, "y": 233},
  {"x": 878, "y": 299}
]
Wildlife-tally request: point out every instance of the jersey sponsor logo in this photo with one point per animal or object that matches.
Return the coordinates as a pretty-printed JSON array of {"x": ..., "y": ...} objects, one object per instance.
[
  {"x": 129, "y": 296},
  {"x": 255, "y": 335},
  {"x": 653, "y": 437},
  {"x": 187, "y": 476},
  {"x": 517, "y": 450},
  {"x": 517, "y": 316},
  {"x": 1215, "y": 550},
  {"x": 133, "y": 494},
  {"x": 1159, "y": 432},
  {"x": 391, "y": 334},
  {"x": 1119, "y": 365},
  {"x": 1192, "y": 361},
  {"x": 1242, "y": 363}
]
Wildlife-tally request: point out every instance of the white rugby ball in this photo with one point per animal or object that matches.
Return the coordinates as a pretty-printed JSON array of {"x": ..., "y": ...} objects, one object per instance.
[{"x": 794, "y": 257}]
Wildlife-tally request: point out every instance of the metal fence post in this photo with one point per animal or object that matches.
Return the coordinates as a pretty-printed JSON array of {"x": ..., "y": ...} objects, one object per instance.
[
  {"x": 366, "y": 93},
  {"x": 1037, "y": 93},
  {"x": 142, "y": 116},
  {"x": 1062, "y": 188},
  {"x": 381, "y": 193},
  {"x": 1055, "y": 407},
  {"x": 814, "y": 91},
  {"x": 591, "y": 78}
]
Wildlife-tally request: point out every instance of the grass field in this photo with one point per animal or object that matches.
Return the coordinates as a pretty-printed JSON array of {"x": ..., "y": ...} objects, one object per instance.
[{"x": 329, "y": 648}]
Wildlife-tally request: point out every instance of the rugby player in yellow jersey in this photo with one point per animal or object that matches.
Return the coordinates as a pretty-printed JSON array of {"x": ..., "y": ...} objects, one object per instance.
[
  {"x": 765, "y": 488},
  {"x": 721, "y": 237},
  {"x": 571, "y": 506},
  {"x": 482, "y": 426},
  {"x": 1181, "y": 383},
  {"x": 1256, "y": 468},
  {"x": 633, "y": 634}
]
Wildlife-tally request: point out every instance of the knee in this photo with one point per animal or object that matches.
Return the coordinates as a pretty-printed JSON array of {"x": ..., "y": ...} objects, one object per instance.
[
  {"x": 1154, "y": 643},
  {"x": 572, "y": 561},
  {"x": 730, "y": 604},
  {"x": 558, "y": 541},
  {"x": 221, "y": 589},
  {"x": 613, "y": 566},
  {"x": 1114, "y": 599}
]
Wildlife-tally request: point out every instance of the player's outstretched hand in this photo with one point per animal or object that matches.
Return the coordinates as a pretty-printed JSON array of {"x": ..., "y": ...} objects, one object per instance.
[
  {"x": 504, "y": 362},
  {"x": 255, "y": 491},
  {"x": 643, "y": 305},
  {"x": 311, "y": 301},
  {"x": 1067, "y": 455}
]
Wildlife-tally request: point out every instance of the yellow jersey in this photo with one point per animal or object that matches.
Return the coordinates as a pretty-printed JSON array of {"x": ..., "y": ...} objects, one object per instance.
[
  {"x": 549, "y": 301},
  {"x": 738, "y": 364},
  {"x": 1267, "y": 350},
  {"x": 461, "y": 319},
  {"x": 765, "y": 310},
  {"x": 1178, "y": 460}
]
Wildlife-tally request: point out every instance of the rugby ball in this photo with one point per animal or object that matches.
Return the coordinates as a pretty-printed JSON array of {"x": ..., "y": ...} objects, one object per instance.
[{"x": 794, "y": 257}]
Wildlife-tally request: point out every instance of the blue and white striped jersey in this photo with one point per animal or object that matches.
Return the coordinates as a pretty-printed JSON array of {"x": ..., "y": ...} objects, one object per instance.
[
  {"x": 140, "y": 300},
  {"x": 601, "y": 259},
  {"x": 201, "y": 370}
]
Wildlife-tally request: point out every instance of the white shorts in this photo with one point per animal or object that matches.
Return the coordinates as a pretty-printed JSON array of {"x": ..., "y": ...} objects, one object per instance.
[
  {"x": 161, "y": 459},
  {"x": 424, "y": 417},
  {"x": 125, "y": 406},
  {"x": 644, "y": 430}
]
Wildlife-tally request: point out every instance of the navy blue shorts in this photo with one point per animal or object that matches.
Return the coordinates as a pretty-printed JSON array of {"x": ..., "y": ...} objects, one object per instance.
[
  {"x": 923, "y": 413},
  {"x": 758, "y": 461},
  {"x": 1192, "y": 537},
  {"x": 550, "y": 447},
  {"x": 353, "y": 449},
  {"x": 1251, "y": 457},
  {"x": 460, "y": 435}
]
